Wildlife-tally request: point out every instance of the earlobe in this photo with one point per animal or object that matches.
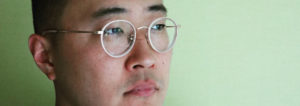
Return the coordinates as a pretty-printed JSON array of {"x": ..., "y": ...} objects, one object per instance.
[{"x": 39, "y": 48}]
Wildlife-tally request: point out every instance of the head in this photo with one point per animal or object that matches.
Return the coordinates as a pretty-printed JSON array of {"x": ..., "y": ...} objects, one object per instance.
[{"x": 82, "y": 72}]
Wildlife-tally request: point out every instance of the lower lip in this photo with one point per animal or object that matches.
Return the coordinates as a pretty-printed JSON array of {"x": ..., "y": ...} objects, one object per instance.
[{"x": 145, "y": 92}]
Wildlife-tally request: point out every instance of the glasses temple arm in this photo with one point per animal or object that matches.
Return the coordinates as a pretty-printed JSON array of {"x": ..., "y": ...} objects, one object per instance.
[
  {"x": 68, "y": 31},
  {"x": 178, "y": 26}
]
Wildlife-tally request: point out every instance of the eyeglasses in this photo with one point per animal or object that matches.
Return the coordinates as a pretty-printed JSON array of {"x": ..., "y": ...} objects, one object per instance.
[{"x": 118, "y": 37}]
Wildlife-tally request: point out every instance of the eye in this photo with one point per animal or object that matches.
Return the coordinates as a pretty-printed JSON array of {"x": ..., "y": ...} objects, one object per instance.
[
  {"x": 113, "y": 31},
  {"x": 159, "y": 27}
]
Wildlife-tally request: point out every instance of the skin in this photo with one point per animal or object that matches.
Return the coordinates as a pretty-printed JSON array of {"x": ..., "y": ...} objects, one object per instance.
[{"x": 84, "y": 75}]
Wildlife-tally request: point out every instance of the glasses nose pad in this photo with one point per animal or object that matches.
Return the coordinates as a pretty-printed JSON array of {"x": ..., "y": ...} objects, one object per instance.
[{"x": 130, "y": 38}]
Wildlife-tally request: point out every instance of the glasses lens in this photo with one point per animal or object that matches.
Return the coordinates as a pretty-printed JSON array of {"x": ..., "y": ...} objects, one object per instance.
[
  {"x": 118, "y": 37},
  {"x": 162, "y": 34}
]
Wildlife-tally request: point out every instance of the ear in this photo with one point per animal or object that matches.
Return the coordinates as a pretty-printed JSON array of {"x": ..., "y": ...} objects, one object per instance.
[{"x": 40, "y": 49}]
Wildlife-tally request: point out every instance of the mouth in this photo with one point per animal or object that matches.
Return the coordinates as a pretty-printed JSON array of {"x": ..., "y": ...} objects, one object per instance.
[{"x": 142, "y": 89}]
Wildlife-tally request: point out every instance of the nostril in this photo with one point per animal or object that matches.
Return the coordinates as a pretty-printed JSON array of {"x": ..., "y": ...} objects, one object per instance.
[
  {"x": 141, "y": 66},
  {"x": 152, "y": 66},
  {"x": 137, "y": 66}
]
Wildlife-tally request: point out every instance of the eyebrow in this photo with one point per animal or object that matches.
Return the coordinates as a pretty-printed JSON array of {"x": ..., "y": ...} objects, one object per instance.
[
  {"x": 108, "y": 11},
  {"x": 158, "y": 7},
  {"x": 119, "y": 10}
]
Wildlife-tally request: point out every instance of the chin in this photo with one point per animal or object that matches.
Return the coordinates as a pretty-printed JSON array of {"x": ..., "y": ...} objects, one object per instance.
[{"x": 153, "y": 100}]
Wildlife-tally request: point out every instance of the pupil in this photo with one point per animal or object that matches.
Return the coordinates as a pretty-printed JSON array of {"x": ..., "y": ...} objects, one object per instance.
[
  {"x": 159, "y": 26},
  {"x": 115, "y": 30}
]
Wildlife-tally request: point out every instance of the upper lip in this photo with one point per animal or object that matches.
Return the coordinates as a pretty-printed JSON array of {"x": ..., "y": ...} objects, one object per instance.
[{"x": 137, "y": 85}]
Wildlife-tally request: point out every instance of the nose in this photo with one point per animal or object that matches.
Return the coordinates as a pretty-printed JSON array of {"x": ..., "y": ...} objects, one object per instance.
[{"x": 142, "y": 57}]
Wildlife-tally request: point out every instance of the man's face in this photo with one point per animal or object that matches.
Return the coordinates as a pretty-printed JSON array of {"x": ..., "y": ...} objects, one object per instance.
[{"x": 87, "y": 76}]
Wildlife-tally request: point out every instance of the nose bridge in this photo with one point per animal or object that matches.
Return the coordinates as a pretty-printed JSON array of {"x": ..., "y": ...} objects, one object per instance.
[
  {"x": 141, "y": 37},
  {"x": 142, "y": 27},
  {"x": 142, "y": 56},
  {"x": 142, "y": 32}
]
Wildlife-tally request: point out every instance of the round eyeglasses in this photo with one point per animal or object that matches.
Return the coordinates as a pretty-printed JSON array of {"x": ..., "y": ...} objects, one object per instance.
[{"x": 118, "y": 37}]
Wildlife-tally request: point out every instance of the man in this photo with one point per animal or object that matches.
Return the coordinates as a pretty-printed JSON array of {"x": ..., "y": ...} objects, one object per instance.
[{"x": 104, "y": 52}]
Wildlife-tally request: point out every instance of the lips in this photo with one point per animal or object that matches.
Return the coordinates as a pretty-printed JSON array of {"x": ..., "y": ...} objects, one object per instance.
[{"x": 142, "y": 89}]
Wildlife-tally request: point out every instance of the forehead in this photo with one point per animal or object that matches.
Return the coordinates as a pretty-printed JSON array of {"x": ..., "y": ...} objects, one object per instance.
[
  {"x": 87, "y": 6},
  {"x": 84, "y": 10},
  {"x": 96, "y": 4},
  {"x": 108, "y": 3}
]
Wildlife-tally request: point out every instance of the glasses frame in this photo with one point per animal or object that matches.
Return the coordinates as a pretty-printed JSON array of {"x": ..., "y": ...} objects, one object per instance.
[{"x": 148, "y": 35}]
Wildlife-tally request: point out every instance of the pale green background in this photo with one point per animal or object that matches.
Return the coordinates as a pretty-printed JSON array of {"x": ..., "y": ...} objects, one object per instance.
[{"x": 228, "y": 53}]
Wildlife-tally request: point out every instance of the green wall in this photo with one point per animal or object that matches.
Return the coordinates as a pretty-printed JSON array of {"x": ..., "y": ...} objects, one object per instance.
[{"x": 228, "y": 53}]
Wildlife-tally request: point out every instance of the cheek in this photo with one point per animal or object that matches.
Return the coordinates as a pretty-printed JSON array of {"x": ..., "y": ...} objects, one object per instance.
[
  {"x": 87, "y": 72},
  {"x": 76, "y": 56},
  {"x": 90, "y": 62},
  {"x": 164, "y": 66},
  {"x": 165, "y": 60}
]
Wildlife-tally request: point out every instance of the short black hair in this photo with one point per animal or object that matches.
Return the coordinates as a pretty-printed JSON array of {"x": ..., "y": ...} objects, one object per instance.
[{"x": 47, "y": 14}]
